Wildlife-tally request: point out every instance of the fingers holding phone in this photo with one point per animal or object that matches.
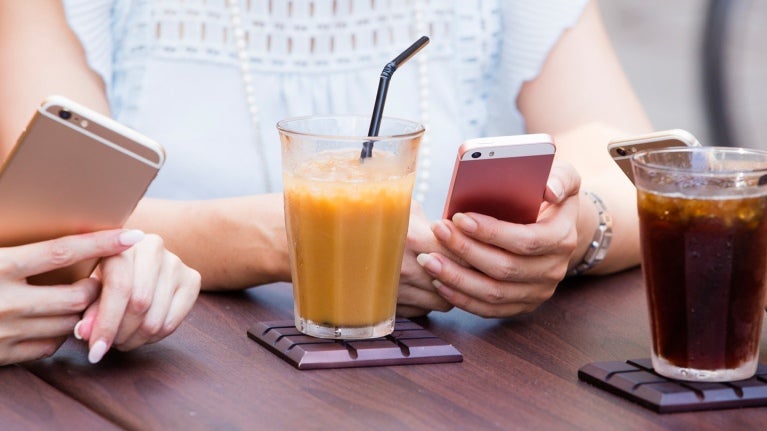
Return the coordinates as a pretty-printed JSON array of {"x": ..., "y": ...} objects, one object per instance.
[
  {"x": 72, "y": 171},
  {"x": 29, "y": 260},
  {"x": 564, "y": 182},
  {"x": 37, "y": 319},
  {"x": 500, "y": 282},
  {"x": 513, "y": 266}
]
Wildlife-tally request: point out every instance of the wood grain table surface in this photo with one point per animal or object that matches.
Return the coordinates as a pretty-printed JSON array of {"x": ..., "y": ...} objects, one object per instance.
[{"x": 517, "y": 373}]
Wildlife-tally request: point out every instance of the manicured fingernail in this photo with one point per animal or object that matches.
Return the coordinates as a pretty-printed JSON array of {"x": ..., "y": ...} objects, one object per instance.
[
  {"x": 97, "y": 352},
  {"x": 555, "y": 186},
  {"x": 465, "y": 223},
  {"x": 77, "y": 330},
  {"x": 429, "y": 263},
  {"x": 131, "y": 236},
  {"x": 441, "y": 231},
  {"x": 443, "y": 290}
]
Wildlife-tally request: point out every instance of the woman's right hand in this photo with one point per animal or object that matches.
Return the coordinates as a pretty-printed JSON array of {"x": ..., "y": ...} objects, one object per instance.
[{"x": 36, "y": 320}]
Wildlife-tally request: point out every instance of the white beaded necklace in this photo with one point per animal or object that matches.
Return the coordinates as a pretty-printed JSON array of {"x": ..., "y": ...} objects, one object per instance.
[
  {"x": 247, "y": 80},
  {"x": 424, "y": 159}
]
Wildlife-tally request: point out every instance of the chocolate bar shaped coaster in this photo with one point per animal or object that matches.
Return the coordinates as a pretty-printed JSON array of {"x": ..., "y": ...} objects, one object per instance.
[
  {"x": 637, "y": 381},
  {"x": 408, "y": 344}
]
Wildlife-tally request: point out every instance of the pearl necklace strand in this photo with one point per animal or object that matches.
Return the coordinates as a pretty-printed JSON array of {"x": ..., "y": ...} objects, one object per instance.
[
  {"x": 424, "y": 158},
  {"x": 250, "y": 92}
]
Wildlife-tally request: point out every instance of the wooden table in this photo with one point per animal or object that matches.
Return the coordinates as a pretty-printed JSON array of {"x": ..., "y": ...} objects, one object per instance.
[{"x": 518, "y": 373}]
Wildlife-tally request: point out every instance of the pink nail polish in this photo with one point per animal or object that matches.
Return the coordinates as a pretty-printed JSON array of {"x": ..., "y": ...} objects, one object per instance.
[
  {"x": 77, "y": 330},
  {"x": 97, "y": 352},
  {"x": 131, "y": 236}
]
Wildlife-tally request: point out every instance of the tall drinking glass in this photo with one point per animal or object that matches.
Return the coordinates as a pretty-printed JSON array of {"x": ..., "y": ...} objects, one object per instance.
[
  {"x": 704, "y": 250},
  {"x": 346, "y": 221}
]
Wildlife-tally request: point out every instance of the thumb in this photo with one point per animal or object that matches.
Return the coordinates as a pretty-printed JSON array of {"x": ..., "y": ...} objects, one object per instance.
[
  {"x": 44, "y": 256},
  {"x": 564, "y": 181}
]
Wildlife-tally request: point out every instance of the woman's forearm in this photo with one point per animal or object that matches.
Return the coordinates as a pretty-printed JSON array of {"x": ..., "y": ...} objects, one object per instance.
[
  {"x": 40, "y": 56},
  {"x": 583, "y": 117},
  {"x": 586, "y": 148},
  {"x": 234, "y": 243}
]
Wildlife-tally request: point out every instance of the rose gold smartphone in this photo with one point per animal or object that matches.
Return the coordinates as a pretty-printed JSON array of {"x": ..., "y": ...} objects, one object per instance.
[
  {"x": 503, "y": 177},
  {"x": 622, "y": 149},
  {"x": 72, "y": 171}
]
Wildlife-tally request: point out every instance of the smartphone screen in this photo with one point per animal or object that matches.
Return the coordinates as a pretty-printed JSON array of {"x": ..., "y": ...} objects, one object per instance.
[{"x": 503, "y": 177}]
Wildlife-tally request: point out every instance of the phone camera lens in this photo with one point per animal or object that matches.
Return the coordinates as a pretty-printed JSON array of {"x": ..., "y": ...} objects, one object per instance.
[
  {"x": 476, "y": 155},
  {"x": 65, "y": 115},
  {"x": 621, "y": 152}
]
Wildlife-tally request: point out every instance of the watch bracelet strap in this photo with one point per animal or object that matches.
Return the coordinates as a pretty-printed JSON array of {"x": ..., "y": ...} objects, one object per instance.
[{"x": 599, "y": 244}]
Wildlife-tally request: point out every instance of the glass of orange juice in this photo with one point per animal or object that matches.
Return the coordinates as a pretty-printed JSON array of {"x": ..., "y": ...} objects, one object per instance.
[{"x": 347, "y": 220}]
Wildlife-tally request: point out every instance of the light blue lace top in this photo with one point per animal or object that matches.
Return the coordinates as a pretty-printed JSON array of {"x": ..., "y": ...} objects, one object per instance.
[{"x": 172, "y": 72}]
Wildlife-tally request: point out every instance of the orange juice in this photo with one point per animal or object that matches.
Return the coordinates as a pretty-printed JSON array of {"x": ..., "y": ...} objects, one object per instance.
[{"x": 347, "y": 222}]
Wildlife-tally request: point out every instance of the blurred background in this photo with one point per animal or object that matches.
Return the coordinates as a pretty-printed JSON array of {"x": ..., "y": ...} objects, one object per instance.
[{"x": 661, "y": 46}]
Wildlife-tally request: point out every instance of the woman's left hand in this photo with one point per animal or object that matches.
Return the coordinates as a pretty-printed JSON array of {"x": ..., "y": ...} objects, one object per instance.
[
  {"x": 146, "y": 293},
  {"x": 513, "y": 268},
  {"x": 416, "y": 295}
]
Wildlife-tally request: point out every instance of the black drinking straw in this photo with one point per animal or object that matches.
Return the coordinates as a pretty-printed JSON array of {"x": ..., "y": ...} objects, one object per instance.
[{"x": 383, "y": 88}]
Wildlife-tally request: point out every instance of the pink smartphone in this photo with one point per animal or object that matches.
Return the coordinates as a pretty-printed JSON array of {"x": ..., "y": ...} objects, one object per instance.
[{"x": 503, "y": 177}]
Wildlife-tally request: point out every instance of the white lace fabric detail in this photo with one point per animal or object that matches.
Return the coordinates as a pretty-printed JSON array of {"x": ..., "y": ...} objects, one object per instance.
[
  {"x": 170, "y": 65},
  {"x": 312, "y": 36}
]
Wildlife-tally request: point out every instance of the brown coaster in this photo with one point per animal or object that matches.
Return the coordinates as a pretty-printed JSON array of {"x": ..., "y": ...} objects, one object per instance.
[
  {"x": 636, "y": 381},
  {"x": 408, "y": 344}
]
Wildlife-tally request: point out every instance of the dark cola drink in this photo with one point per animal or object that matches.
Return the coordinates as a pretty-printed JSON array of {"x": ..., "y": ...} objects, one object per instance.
[{"x": 704, "y": 267}]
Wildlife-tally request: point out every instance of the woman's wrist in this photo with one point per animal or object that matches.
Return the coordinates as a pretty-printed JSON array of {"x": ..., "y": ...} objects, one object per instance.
[{"x": 598, "y": 234}]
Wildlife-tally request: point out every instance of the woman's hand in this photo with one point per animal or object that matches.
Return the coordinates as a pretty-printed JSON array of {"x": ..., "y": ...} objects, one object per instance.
[
  {"x": 146, "y": 293},
  {"x": 417, "y": 296},
  {"x": 35, "y": 320},
  {"x": 513, "y": 268}
]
